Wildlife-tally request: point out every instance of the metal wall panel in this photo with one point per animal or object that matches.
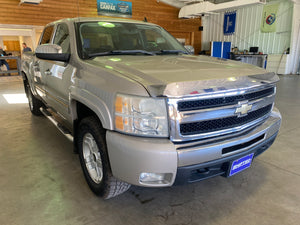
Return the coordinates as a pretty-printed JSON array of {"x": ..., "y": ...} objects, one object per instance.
[{"x": 247, "y": 30}]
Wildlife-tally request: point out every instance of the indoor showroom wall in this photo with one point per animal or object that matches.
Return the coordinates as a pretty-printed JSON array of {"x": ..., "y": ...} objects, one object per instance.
[
  {"x": 13, "y": 15},
  {"x": 248, "y": 34},
  {"x": 22, "y": 33},
  {"x": 294, "y": 65}
]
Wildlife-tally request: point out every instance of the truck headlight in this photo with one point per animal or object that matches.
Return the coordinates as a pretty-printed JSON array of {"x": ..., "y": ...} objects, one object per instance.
[{"x": 141, "y": 116}]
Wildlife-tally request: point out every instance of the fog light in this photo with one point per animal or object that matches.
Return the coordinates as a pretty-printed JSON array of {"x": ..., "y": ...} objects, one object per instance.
[{"x": 155, "y": 178}]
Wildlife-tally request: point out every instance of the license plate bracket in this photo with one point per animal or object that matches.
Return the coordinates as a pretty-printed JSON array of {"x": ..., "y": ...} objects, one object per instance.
[{"x": 240, "y": 164}]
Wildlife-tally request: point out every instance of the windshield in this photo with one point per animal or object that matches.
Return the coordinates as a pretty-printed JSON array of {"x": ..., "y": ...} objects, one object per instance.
[{"x": 118, "y": 38}]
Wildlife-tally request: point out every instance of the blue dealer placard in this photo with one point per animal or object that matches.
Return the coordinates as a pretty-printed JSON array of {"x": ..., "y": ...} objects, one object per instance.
[
  {"x": 229, "y": 23},
  {"x": 114, "y": 8},
  {"x": 241, "y": 164}
]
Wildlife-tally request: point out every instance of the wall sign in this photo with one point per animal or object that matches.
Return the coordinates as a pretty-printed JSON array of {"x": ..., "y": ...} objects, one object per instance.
[
  {"x": 114, "y": 8},
  {"x": 269, "y": 18},
  {"x": 229, "y": 23}
]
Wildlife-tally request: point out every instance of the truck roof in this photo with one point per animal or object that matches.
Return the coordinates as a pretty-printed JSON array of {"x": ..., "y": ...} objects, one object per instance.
[{"x": 100, "y": 19}]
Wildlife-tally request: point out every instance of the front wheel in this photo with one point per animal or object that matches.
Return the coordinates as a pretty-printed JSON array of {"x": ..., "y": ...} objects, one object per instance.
[{"x": 94, "y": 160}]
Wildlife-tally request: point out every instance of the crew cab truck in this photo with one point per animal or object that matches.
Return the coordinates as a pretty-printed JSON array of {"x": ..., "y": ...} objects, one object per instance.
[{"x": 141, "y": 110}]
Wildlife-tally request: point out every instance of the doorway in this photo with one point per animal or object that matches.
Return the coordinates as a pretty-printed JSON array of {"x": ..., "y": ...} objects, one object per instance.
[
  {"x": 11, "y": 39},
  {"x": 11, "y": 45},
  {"x": 296, "y": 69}
]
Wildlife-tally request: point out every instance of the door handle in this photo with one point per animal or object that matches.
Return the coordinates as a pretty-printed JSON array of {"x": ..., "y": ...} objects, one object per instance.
[{"x": 48, "y": 72}]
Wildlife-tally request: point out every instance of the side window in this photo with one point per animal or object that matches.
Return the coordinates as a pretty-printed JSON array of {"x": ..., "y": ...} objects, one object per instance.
[
  {"x": 46, "y": 38},
  {"x": 62, "y": 38}
]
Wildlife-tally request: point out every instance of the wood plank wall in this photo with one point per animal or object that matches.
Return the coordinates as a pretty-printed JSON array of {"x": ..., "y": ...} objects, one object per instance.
[{"x": 49, "y": 10}]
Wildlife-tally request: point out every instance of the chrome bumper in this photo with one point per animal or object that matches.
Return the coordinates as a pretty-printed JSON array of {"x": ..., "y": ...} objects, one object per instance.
[{"x": 195, "y": 154}]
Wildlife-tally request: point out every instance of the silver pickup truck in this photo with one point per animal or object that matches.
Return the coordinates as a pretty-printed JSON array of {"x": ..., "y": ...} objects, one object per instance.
[{"x": 141, "y": 110}]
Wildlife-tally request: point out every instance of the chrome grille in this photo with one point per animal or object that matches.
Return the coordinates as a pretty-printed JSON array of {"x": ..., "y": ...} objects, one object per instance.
[
  {"x": 218, "y": 102},
  {"x": 212, "y": 115},
  {"x": 223, "y": 123}
]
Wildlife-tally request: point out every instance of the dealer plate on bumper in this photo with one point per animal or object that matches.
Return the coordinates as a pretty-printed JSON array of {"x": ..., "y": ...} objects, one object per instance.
[{"x": 240, "y": 164}]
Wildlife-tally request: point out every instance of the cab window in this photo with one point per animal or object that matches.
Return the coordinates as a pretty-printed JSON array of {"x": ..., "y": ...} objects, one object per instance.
[
  {"x": 62, "y": 38},
  {"x": 46, "y": 38}
]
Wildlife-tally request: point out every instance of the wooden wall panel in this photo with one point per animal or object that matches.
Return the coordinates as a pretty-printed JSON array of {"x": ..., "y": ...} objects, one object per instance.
[
  {"x": 12, "y": 45},
  {"x": 49, "y": 10}
]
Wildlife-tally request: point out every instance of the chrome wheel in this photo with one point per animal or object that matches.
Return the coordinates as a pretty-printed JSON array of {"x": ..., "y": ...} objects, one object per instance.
[{"x": 92, "y": 158}]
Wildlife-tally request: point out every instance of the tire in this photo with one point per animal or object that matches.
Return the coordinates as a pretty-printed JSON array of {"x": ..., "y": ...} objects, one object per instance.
[
  {"x": 34, "y": 103},
  {"x": 94, "y": 160}
]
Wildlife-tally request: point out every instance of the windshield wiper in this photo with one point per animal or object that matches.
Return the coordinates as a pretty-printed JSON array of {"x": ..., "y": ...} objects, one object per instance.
[
  {"x": 165, "y": 52},
  {"x": 120, "y": 52}
]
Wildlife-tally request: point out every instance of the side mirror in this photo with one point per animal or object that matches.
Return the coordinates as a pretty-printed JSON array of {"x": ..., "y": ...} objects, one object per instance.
[
  {"x": 190, "y": 49},
  {"x": 51, "y": 52}
]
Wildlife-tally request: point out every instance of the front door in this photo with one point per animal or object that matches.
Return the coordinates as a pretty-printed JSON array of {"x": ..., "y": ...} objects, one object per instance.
[
  {"x": 58, "y": 75},
  {"x": 39, "y": 74}
]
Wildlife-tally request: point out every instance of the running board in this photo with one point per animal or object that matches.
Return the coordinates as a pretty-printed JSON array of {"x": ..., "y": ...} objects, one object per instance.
[{"x": 60, "y": 127}]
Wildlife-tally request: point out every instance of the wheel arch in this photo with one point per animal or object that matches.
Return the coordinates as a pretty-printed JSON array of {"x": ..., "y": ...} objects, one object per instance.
[
  {"x": 28, "y": 80},
  {"x": 25, "y": 81},
  {"x": 80, "y": 110}
]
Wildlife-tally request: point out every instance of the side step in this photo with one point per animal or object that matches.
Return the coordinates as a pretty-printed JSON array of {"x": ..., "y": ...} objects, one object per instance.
[{"x": 60, "y": 127}]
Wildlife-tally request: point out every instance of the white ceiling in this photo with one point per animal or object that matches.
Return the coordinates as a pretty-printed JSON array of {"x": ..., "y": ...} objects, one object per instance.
[
  {"x": 181, "y": 3},
  {"x": 196, "y": 8}
]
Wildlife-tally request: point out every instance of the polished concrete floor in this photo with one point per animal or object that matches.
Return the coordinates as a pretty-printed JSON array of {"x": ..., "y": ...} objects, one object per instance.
[{"x": 41, "y": 182}]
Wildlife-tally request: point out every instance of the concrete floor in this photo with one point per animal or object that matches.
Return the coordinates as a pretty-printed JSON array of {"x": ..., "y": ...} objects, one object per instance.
[{"x": 41, "y": 181}]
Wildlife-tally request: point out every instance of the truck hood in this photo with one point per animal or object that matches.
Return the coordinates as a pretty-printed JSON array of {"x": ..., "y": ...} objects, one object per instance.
[{"x": 178, "y": 76}]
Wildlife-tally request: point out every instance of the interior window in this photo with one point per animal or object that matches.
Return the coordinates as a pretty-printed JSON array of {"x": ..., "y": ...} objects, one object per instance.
[
  {"x": 46, "y": 38},
  {"x": 96, "y": 38},
  {"x": 62, "y": 38}
]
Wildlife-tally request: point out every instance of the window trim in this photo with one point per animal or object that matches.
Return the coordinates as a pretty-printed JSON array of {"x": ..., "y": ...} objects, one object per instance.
[
  {"x": 52, "y": 35},
  {"x": 55, "y": 31}
]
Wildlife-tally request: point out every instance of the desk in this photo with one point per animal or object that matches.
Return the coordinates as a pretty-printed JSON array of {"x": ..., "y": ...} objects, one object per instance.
[
  {"x": 18, "y": 64},
  {"x": 254, "y": 59}
]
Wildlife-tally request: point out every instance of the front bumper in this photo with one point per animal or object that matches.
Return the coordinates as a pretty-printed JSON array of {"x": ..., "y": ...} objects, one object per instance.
[
  {"x": 194, "y": 173},
  {"x": 131, "y": 156}
]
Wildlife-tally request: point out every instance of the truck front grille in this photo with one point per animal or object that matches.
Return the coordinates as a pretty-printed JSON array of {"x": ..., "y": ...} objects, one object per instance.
[
  {"x": 223, "y": 123},
  {"x": 218, "y": 102},
  {"x": 213, "y": 115}
]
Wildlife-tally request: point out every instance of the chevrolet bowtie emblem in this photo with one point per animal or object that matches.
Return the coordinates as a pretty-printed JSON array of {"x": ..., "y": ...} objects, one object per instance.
[{"x": 243, "y": 109}]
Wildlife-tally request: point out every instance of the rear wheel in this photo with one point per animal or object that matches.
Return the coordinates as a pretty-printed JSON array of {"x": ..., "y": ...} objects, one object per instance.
[
  {"x": 34, "y": 103},
  {"x": 94, "y": 160}
]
